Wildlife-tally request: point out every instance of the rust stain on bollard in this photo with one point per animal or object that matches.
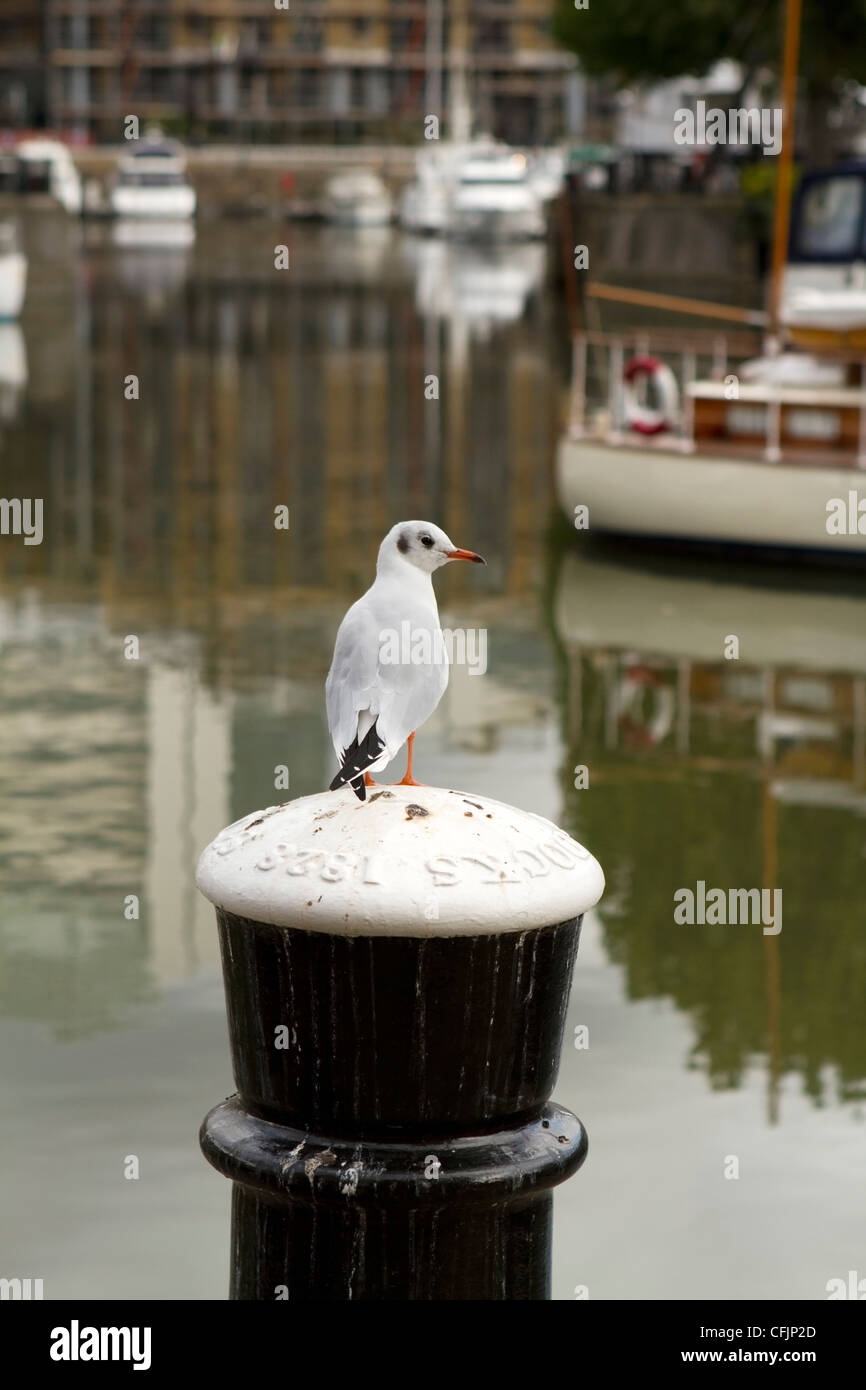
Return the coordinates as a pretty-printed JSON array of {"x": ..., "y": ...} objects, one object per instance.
[{"x": 396, "y": 991}]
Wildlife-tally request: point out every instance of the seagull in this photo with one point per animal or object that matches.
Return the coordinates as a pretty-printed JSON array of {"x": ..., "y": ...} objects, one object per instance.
[{"x": 390, "y": 668}]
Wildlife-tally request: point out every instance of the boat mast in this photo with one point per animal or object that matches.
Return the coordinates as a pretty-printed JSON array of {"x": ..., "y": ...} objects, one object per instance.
[
  {"x": 433, "y": 58},
  {"x": 459, "y": 114},
  {"x": 784, "y": 170}
]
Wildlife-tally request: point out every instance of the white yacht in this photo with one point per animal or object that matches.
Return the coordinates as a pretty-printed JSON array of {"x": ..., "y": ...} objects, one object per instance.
[
  {"x": 47, "y": 165},
  {"x": 151, "y": 181},
  {"x": 766, "y": 451},
  {"x": 358, "y": 198},
  {"x": 494, "y": 198},
  {"x": 13, "y": 274}
]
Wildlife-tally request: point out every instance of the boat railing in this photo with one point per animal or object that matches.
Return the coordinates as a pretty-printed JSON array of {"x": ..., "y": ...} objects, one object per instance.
[
  {"x": 704, "y": 365},
  {"x": 599, "y": 360}
]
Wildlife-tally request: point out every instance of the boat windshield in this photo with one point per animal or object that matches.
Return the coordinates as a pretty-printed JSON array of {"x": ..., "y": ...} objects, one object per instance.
[
  {"x": 135, "y": 179},
  {"x": 830, "y": 219}
]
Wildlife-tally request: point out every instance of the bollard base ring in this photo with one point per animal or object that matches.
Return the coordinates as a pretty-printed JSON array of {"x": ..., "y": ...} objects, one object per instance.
[{"x": 291, "y": 1165}]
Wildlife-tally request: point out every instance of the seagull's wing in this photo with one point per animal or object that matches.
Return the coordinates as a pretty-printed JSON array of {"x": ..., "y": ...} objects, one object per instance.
[
  {"x": 350, "y": 690},
  {"x": 408, "y": 695}
]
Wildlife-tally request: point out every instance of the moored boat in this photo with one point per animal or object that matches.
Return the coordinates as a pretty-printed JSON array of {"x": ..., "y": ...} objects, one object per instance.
[
  {"x": 13, "y": 274},
  {"x": 770, "y": 454},
  {"x": 46, "y": 166},
  {"x": 358, "y": 198},
  {"x": 151, "y": 182},
  {"x": 494, "y": 198}
]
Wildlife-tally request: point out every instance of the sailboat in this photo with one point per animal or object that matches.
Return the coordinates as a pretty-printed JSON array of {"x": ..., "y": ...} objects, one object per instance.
[
  {"x": 471, "y": 187},
  {"x": 767, "y": 450}
]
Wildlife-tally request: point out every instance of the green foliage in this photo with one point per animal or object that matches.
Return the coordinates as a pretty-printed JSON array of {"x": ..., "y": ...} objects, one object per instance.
[
  {"x": 633, "y": 42},
  {"x": 758, "y": 184}
]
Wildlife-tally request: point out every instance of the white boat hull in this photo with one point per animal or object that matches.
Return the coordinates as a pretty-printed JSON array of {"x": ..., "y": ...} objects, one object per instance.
[
  {"x": 163, "y": 204},
  {"x": 651, "y": 492},
  {"x": 13, "y": 283}
]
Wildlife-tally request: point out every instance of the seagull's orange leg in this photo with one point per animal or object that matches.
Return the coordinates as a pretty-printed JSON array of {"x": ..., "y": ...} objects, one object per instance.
[
  {"x": 368, "y": 781},
  {"x": 409, "y": 780}
]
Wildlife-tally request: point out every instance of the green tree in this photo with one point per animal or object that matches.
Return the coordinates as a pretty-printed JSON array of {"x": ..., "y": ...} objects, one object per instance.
[{"x": 631, "y": 42}]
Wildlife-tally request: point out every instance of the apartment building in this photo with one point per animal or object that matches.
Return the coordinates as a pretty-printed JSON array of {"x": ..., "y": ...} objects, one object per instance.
[{"x": 284, "y": 70}]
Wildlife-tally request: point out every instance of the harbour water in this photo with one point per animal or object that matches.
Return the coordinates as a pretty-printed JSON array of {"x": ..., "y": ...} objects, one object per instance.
[{"x": 165, "y": 402}]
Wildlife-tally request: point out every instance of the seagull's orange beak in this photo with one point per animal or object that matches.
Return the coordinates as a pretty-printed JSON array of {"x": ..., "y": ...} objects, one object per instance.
[{"x": 466, "y": 555}]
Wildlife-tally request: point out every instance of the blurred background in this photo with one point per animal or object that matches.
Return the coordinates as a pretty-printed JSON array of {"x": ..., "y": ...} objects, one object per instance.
[{"x": 431, "y": 349}]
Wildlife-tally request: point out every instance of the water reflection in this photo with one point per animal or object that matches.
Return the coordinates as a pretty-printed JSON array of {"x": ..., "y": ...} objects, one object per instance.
[
  {"x": 474, "y": 285},
  {"x": 740, "y": 773},
  {"x": 13, "y": 370},
  {"x": 250, "y": 393},
  {"x": 153, "y": 258}
]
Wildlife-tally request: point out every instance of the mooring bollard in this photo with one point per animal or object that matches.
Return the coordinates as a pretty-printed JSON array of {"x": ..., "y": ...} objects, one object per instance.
[{"x": 397, "y": 974}]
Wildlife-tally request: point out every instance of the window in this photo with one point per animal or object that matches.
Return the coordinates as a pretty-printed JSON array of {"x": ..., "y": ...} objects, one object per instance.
[
  {"x": 307, "y": 87},
  {"x": 401, "y": 34},
  {"x": 307, "y": 35},
  {"x": 492, "y": 36},
  {"x": 376, "y": 92},
  {"x": 340, "y": 95},
  {"x": 830, "y": 218},
  {"x": 152, "y": 31},
  {"x": 74, "y": 31}
]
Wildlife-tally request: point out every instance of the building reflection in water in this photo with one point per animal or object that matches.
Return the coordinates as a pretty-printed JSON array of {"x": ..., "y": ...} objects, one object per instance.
[{"x": 255, "y": 390}]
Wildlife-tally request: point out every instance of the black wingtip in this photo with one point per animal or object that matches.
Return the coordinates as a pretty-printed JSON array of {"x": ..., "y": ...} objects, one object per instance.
[{"x": 356, "y": 759}]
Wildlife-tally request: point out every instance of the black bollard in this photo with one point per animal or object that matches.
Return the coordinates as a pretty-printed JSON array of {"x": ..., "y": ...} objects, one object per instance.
[{"x": 397, "y": 974}]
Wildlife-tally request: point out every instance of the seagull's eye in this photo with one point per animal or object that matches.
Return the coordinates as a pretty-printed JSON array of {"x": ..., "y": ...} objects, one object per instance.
[{"x": 426, "y": 540}]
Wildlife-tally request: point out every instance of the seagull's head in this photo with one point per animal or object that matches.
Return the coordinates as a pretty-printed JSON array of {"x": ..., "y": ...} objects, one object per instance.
[{"x": 423, "y": 545}]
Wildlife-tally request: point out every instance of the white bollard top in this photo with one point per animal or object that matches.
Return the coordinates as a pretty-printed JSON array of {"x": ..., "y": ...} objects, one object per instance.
[{"x": 408, "y": 861}]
